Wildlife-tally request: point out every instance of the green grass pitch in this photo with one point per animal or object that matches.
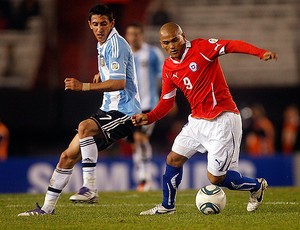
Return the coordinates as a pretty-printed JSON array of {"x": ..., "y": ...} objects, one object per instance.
[{"x": 120, "y": 210}]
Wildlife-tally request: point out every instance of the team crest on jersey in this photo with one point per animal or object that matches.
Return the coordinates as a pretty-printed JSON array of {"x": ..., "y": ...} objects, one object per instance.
[
  {"x": 102, "y": 63},
  {"x": 212, "y": 40},
  {"x": 193, "y": 66},
  {"x": 115, "y": 66}
]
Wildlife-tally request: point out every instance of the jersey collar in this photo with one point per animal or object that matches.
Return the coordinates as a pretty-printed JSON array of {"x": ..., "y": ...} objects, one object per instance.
[
  {"x": 188, "y": 45},
  {"x": 112, "y": 33}
]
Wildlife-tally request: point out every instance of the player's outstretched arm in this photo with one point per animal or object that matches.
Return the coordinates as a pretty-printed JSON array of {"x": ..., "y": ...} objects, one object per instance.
[
  {"x": 139, "y": 119},
  {"x": 270, "y": 55}
]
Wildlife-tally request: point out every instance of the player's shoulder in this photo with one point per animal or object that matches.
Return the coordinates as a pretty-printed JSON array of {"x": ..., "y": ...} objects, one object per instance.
[
  {"x": 204, "y": 41},
  {"x": 197, "y": 40},
  {"x": 205, "y": 44},
  {"x": 169, "y": 65},
  {"x": 118, "y": 40},
  {"x": 118, "y": 44}
]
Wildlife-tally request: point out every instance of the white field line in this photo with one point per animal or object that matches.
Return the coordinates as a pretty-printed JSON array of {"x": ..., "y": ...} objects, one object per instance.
[
  {"x": 139, "y": 205},
  {"x": 282, "y": 203}
]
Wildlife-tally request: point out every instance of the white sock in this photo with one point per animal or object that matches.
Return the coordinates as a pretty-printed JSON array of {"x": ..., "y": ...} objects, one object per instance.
[
  {"x": 89, "y": 152},
  {"x": 147, "y": 148},
  {"x": 142, "y": 157},
  {"x": 58, "y": 181}
]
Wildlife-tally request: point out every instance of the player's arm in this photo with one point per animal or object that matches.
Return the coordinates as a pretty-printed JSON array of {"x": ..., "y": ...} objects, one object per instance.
[
  {"x": 105, "y": 86},
  {"x": 269, "y": 55},
  {"x": 237, "y": 46},
  {"x": 139, "y": 119},
  {"x": 162, "y": 109},
  {"x": 117, "y": 74}
]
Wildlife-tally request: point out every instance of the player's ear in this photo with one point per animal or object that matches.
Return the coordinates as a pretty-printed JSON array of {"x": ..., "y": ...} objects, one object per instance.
[
  {"x": 113, "y": 23},
  {"x": 162, "y": 44},
  {"x": 90, "y": 24}
]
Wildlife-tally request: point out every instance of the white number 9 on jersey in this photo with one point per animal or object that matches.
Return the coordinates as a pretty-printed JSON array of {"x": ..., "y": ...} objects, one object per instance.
[{"x": 187, "y": 83}]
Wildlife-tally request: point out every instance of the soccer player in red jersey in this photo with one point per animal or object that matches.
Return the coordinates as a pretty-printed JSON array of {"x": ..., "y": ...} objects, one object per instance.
[{"x": 214, "y": 125}]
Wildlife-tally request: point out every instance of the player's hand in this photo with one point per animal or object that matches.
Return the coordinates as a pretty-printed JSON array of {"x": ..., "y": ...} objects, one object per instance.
[
  {"x": 270, "y": 55},
  {"x": 139, "y": 119},
  {"x": 96, "y": 78},
  {"x": 73, "y": 84}
]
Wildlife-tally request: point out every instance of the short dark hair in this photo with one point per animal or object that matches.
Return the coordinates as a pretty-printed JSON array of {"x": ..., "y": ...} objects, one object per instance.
[
  {"x": 101, "y": 10},
  {"x": 136, "y": 24}
]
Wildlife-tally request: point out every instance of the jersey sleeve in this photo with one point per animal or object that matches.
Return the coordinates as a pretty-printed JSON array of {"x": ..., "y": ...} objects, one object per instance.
[
  {"x": 167, "y": 99},
  {"x": 213, "y": 48},
  {"x": 118, "y": 58},
  {"x": 236, "y": 46}
]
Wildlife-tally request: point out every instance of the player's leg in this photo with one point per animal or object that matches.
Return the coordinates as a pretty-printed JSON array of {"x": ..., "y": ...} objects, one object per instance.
[
  {"x": 96, "y": 134},
  {"x": 59, "y": 179},
  {"x": 236, "y": 181},
  {"x": 184, "y": 147},
  {"x": 142, "y": 155},
  {"x": 223, "y": 157},
  {"x": 171, "y": 180},
  {"x": 87, "y": 129}
]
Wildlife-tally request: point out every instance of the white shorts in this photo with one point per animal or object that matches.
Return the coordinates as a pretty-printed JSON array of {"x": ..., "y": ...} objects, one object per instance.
[{"x": 220, "y": 138}]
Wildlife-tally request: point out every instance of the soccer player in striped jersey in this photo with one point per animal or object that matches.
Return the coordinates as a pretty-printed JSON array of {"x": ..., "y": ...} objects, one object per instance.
[
  {"x": 117, "y": 80},
  {"x": 148, "y": 61},
  {"x": 214, "y": 125}
]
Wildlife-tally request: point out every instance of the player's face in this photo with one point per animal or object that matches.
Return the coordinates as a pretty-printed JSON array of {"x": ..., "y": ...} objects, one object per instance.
[
  {"x": 173, "y": 44},
  {"x": 101, "y": 27},
  {"x": 134, "y": 37}
]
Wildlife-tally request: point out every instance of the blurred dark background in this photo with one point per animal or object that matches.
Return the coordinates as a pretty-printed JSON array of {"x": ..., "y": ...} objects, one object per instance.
[{"x": 43, "y": 42}]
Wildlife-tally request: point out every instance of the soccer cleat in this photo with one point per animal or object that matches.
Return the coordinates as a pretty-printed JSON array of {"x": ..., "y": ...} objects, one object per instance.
[
  {"x": 256, "y": 197},
  {"x": 158, "y": 209},
  {"x": 85, "y": 195},
  {"x": 35, "y": 212}
]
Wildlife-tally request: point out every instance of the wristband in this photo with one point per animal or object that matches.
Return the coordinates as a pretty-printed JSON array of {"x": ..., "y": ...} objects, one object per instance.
[{"x": 86, "y": 86}]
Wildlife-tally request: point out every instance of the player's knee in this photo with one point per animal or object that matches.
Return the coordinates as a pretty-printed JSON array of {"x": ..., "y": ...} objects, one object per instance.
[
  {"x": 175, "y": 160},
  {"x": 137, "y": 137},
  {"x": 216, "y": 180},
  {"x": 84, "y": 128}
]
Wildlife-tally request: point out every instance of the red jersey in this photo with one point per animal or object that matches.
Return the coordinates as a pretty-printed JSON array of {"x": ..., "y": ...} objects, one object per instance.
[{"x": 199, "y": 76}]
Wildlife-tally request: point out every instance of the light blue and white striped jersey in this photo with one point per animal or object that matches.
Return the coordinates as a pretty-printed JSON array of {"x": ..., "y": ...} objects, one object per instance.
[
  {"x": 148, "y": 61},
  {"x": 115, "y": 61}
]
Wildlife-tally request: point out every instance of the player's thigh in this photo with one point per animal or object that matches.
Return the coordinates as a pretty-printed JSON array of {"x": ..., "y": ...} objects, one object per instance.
[
  {"x": 88, "y": 127},
  {"x": 114, "y": 126},
  {"x": 224, "y": 144},
  {"x": 189, "y": 141}
]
